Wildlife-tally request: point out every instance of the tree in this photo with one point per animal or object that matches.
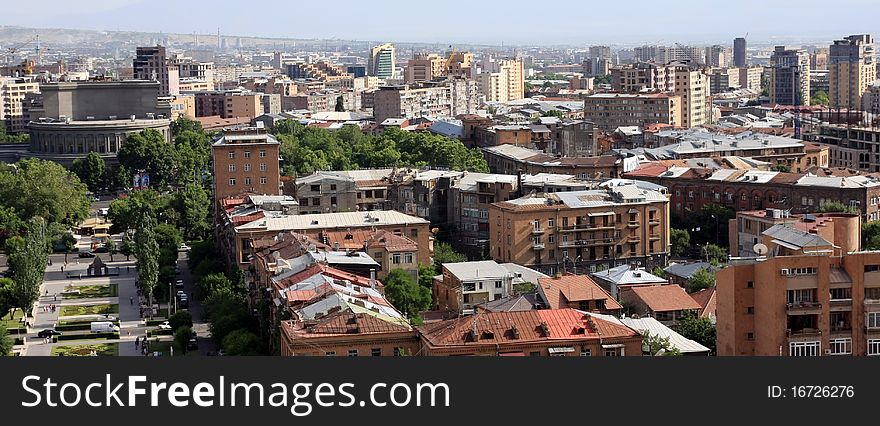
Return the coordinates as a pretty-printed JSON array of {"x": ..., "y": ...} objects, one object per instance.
[
  {"x": 784, "y": 168},
  {"x": 871, "y": 235},
  {"x": 194, "y": 205},
  {"x": 340, "y": 105},
  {"x": 180, "y": 319},
  {"x": 715, "y": 255},
  {"x": 426, "y": 276},
  {"x": 147, "y": 253},
  {"x": 127, "y": 248},
  {"x": 111, "y": 247},
  {"x": 27, "y": 259},
  {"x": 698, "y": 329},
  {"x": 181, "y": 338},
  {"x": 212, "y": 283},
  {"x": 12, "y": 138},
  {"x": 837, "y": 207},
  {"x": 524, "y": 288},
  {"x": 148, "y": 151},
  {"x": 10, "y": 224},
  {"x": 69, "y": 243},
  {"x": 92, "y": 171},
  {"x": 707, "y": 225},
  {"x": 242, "y": 342},
  {"x": 680, "y": 240},
  {"x": 658, "y": 271},
  {"x": 6, "y": 343},
  {"x": 405, "y": 294},
  {"x": 34, "y": 187},
  {"x": 655, "y": 343},
  {"x": 555, "y": 113},
  {"x": 602, "y": 79},
  {"x": 444, "y": 253},
  {"x": 820, "y": 98},
  {"x": 702, "y": 279},
  {"x": 7, "y": 296}
]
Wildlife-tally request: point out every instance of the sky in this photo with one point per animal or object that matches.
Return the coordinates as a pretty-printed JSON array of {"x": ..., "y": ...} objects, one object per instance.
[{"x": 524, "y": 22}]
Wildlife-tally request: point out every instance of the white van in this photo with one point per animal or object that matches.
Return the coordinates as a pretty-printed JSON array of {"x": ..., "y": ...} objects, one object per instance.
[{"x": 104, "y": 327}]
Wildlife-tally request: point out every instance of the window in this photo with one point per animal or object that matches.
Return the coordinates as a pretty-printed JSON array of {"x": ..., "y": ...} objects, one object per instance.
[
  {"x": 874, "y": 347},
  {"x": 551, "y": 238},
  {"x": 263, "y": 167},
  {"x": 551, "y": 223},
  {"x": 247, "y": 167},
  {"x": 799, "y": 271},
  {"x": 803, "y": 295},
  {"x": 539, "y": 353},
  {"x": 398, "y": 351},
  {"x": 803, "y": 349},
  {"x": 841, "y": 346},
  {"x": 750, "y": 284},
  {"x": 586, "y": 352},
  {"x": 263, "y": 180},
  {"x": 497, "y": 284},
  {"x": 352, "y": 352},
  {"x": 536, "y": 224},
  {"x": 232, "y": 167},
  {"x": 750, "y": 336},
  {"x": 611, "y": 352},
  {"x": 407, "y": 258},
  {"x": 315, "y": 188},
  {"x": 841, "y": 293},
  {"x": 333, "y": 200},
  {"x": 750, "y": 310},
  {"x": 332, "y": 186},
  {"x": 247, "y": 154},
  {"x": 231, "y": 154},
  {"x": 330, "y": 353},
  {"x": 231, "y": 181},
  {"x": 872, "y": 319},
  {"x": 872, "y": 293},
  {"x": 247, "y": 181},
  {"x": 395, "y": 259},
  {"x": 376, "y": 352},
  {"x": 262, "y": 153}
]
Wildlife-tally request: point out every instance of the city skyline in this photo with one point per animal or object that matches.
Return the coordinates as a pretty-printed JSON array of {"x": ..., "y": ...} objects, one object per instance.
[{"x": 407, "y": 26}]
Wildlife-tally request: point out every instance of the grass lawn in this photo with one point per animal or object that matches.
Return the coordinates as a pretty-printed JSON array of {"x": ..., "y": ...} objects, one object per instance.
[
  {"x": 67, "y": 311},
  {"x": 14, "y": 322},
  {"x": 91, "y": 291},
  {"x": 102, "y": 349}
]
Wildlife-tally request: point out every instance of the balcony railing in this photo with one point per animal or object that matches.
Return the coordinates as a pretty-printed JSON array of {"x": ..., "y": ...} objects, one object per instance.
[
  {"x": 538, "y": 246},
  {"x": 633, "y": 224},
  {"x": 586, "y": 227},
  {"x": 872, "y": 301},
  {"x": 654, "y": 237},
  {"x": 840, "y": 303},
  {"x": 654, "y": 222},
  {"x": 804, "y": 332},
  {"x": 537, "y": 231},
  {"x": 803, "y": 306},
  {"x": 586, "y": 243}
]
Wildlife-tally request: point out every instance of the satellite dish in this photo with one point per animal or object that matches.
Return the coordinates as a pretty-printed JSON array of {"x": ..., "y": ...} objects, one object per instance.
[{"x": 760, "y": 249}]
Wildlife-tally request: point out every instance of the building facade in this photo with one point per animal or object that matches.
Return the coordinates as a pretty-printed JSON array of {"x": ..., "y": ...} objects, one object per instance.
[
  {"x": 852, "y": 69},
  {"x": 505, "y": 85},
  {"x": 152, "y": 63},
  {"x": 382, "y": 61},
  {"x": 246, "y": 161},
  {"x": 739, "y": 52},
  {"x": 612, "y": 110},
  {"x": 789, "y": 77},
  {"x": 12, "y": 96}
]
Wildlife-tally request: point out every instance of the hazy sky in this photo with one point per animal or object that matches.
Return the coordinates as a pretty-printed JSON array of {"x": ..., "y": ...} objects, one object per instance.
[{"x": 459, "y": 21}]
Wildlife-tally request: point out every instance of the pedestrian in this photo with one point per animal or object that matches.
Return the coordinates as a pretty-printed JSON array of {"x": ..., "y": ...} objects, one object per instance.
[
  {"x": 137, "y": 341},
  {"x": 62, "y": 268},
  {"x": 131, "y": 301},
  {"x": 56, "y": 297}
]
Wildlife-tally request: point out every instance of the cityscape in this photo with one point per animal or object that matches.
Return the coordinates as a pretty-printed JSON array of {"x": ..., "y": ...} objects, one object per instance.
[{"x": 291, "y": 195}]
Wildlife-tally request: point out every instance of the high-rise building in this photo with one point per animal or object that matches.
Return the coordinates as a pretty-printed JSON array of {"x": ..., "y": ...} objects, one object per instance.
[
  {"x": 425, "y": 67},
  {"x": 750, "y": 78},
  {"x": 12, "y": 96},
  {"x": 739, "y": 52},
  {"x": 600, "y": 52},
  {"x": 382, "y": 61},
  {"x": 612, "y": 110},
  {"x": 851, "y": 66},
  {"x": 718, "y": 56},
  {"x": 789, "y": 77},
  {"x": 819, "y": 59},
  {"x": 723, "y": 79},
  {"x": 692, "y": 85},
  {"x": 246, "y": 161},
  {"x": 641, "y": 76},
  {"x": 151, "y": 63},
  {"x": 505, "y": 85}
]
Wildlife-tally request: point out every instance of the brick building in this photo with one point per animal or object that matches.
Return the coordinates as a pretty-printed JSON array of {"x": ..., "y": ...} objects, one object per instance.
[{"x": 246, "y": 161}]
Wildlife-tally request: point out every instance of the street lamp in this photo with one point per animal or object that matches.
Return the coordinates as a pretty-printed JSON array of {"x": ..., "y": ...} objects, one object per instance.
[{"x": 716, "y": 228}]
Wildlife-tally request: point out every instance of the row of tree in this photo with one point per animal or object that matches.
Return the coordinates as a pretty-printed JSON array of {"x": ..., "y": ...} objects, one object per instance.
[{"x": 308, "y": 149}]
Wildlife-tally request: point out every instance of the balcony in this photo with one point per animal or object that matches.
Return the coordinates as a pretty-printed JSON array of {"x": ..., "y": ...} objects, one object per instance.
[
  {"x": 586, "y": 243},
  {"x": 633, "y": 224},
  {"x": 803, "y": 334},
  {"x": 654, "y": 237},
  {"x": 538, "y": 247},
  {"x": 586, "y": 227},
  {"x": 803, "y": 308},
  {"x": 840, "y": 304},
  {"x": 653, "y": 222},
  {"x": 634, "y": 238},
  {"x": 537, "y": 231}
]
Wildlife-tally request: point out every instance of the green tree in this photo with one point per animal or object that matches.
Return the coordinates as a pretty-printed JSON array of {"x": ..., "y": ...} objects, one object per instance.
[
  {"x": 658, "y": 271},
  {"x": 405, "y": 294},
  {"x": 820, "y": 98},
  {"x": 181, "y": 339},
  {"x": 11, "y": 137},
  {"x": 10, "y": 224},
  {"x": 92, "y": 171},
  {"x": 444, "y": 253},
  {"x": 111, "y": 247},
  {"x": 707, "y": 225},
  {"x": 698, "y": 329},
  {"x": 226, "y": 311},
  {"x": 715, "y": 255},
  {"x": 148, "y": 151},
  {"x": 124, "y": 212},
  {"x": 7, "y": 296},
  {"x": 655, "y": 343},
  {"x": 524, "y": 288},
  {"x": 27, "y": 259},
  {"x": 340, "y": 105},
  {"x": 602, "y": 79},
  {"x": 555, "y": 113},
  {"x": 180, "y": 319},
  {"x": 127, "y": 248},
  {"x": 837, "y": 207},
  {"x": 69, "y": 243},
  {"x": 871, "y": 235},
  {"x": 212, "y": 283},
  {"x": 34, "y": 187},
  {"x": 194, "y": 205},
  {"x": 242, "y": 342},
  {"x": 700, "y": 280},
  {"x": 6, "y": 343},
  {"x": 426, "y": 276},
  {"x": 784, "y": 168},
  {"x": 680, "y": 240},
  {"x": 147, "y": 253}
]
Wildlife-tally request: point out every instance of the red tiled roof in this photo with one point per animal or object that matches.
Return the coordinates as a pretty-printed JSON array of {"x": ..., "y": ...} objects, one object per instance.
[
  {"x": 354, "y": 240},
  {"x": 663, "y": 298},
  {"x": 560, "y": 291},
  {"x": 649, "y": 169},
  {"x": 345, "y": 323},
  {"x": 248, "y": 218},
  {"x": 495, "y": 328},
  {"x": 706, "y": 299}
]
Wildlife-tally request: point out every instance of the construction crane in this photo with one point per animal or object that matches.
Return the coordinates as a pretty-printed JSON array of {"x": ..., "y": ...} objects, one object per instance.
[{"x": 15, "y": 48}]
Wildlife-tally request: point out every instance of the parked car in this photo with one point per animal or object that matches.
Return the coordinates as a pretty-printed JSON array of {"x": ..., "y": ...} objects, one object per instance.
[
  {"x": 184, "y": 247},
  {"x": 104, "y": 327},
  {"x": 48, "y": 333},
  {"x": 86, "y": 254},
  {"x": 183, "y": 303},
  {"x": 101, "y": 249},
  {"x": 165, "y": 326},
  {"x": 178, "y": 284}
]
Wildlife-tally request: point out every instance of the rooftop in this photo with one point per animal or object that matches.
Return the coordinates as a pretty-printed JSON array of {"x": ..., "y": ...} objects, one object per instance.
[
  {"x": 286, "y": 222},
  {"x": 664, "y": 298},
  {"x": 625, "y": 274},
  {"x": 558, "y": 292},
  {"x": 479, "y": 270}
]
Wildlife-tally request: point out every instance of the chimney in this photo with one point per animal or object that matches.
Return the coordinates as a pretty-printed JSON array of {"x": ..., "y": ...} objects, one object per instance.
[{"x": 373, "y": 279}]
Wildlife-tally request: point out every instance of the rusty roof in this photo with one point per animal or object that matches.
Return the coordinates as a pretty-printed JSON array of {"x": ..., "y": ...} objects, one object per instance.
[
  {"x": 663, "y": 298},
  {"x": 559, "y": 291}
]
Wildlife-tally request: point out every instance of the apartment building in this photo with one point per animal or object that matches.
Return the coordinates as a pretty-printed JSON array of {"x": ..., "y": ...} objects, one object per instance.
[
  {"x": 235, "y": 103},
  {"x": 750, "y": 78},
  {"x": 464, "y": 285},
  {"x": 512, "y": 159},
  {"x": 667, "y": 303},
  {"x": 382, "y": 61},
  {"x": 576, "y": 292},
  {"x": 692, "y": 86},
  {"x": 195, "y": 73},
  {"x": 852, "y": 69},
  {"x": 643, "y": 76},
  {"x": 718, "y": 56},
  {"x": 852, "y": 147},
  {"x": 807, "y": 297},
  {"x": 425, "y": 67},
  {"x": 152, "y": 63},
  {"x": 626, "y": 221},
  {"x": 322, "y": 70},
  {"x": 505, "y": 85},
  {"x": 246, "y": 161},
  {"x": 789, "y": 77},
  {"x": 739, "y": 52},
  {"x": 12, "y": 96},
  {"x": 612, "y": 110},
  {"x": 545, "y": 332},
  {"x": 447, "y": 98},
  {"x": 796, "y": 154},
  {"x": 747, "y": 229},
  {"x": 723, "y": 79},
  {"x": 344, "y": 191}
]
